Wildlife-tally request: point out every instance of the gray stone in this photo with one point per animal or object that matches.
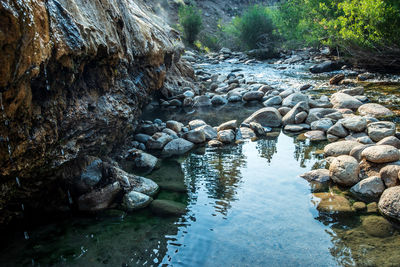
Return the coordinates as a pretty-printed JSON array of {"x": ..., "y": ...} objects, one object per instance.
[
  {"x": 92, "y": 173},
  {"x": 257, "y": 128},
  {"x": 142, "y": 138},
  {"x": 334, "y": 116},
  {"x": 390, "y": 140},
  {"x": 353, "y": 91},
  {"x": 196, "y": 136},
  {"x": 338, "y": 130},
  {"x": 174, "y": 125},
  {"x": 319, "y": 175},
  {"x": 390, "y": 175},
  {"x": 286, "y": 93},
  {"x": 332, "y": 138},
  {"x": 268, "y": 116},
  {"x": 326, "y": 66},
  {"x": 344, "y": 170},
  {"x": 253, "y": 96},
  {"x": 340, "y": 100},
  {"x": 158, "y": 141},
  {"x": 374, "y": 110},
  {"x": 175, "y": 103},
  {"x": 315, "y": 135},
  {"x": 218, "y": 100},
  {"x": 144, "y": 161},
  {"x": 300, "y": 117},
  {"x": 209, "y": 131},
  {"x": 357, "y": 150},
  {"x": 196, "y": 123},
  {"x": 381, "y": 154},
  {"x": 318, "y": 113},
  {"x": 134, "y": 200},
  {"x": 389, "y": 203},
  {"x": 293, "y": 99},
  {"x": 321, "y": 124},
  {"x": 354, "y": 123},
  {"x": 201, "y": 101},
  {"x": 273, "y": 101},
  {"x": 379, "y": 130},
  {"x": 245, "y": 133},
  {"x": 177, "y": 147},
  {"x": 226, "y": 136},
  {"x": 228, "y": 125},
  {"x": 215, "y": 143},
  {"x": 290, "y": 117},
  {"x": 368, "y": 189},
  {"x": 99, "y": 199},
  {"x": 339, "y": 148},
  {"x": 284, "y": 110},
  {"x": 365, "y": 140},
  {"x": 296, "y": 127}
]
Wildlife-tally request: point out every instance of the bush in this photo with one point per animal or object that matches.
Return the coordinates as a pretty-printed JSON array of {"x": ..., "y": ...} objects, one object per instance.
[
  {"x": 253, "y": 28},
  {"x": 190, "y": 22}
]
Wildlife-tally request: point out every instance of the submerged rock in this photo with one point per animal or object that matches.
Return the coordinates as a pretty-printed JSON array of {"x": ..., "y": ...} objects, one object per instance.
[
  {"x": 163, "y": 207},
  {"x": 331, "y": 203},
  {"x": 99, "y": 199},
  {"x": 377, "y": 226}
]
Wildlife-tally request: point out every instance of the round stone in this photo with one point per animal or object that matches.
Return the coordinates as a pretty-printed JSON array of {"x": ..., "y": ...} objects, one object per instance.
[{"x": 344, "y": 170}]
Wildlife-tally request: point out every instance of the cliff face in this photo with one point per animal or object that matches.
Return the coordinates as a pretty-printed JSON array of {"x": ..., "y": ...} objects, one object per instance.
[{"x": 73, "y": 77}]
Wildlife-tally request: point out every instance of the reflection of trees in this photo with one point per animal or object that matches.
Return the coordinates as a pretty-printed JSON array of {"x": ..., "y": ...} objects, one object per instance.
[
  {"x": 220, "y": 172},
  {"x": 304, "y": 151},
  {"x": 267, "y": 148}
]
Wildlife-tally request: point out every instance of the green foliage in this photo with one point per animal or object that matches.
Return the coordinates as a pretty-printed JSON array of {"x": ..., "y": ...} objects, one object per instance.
[
  {"x": 190, "y": 22},
  {"x": 252, "y": 28},
  {"x": 209, "y": 42}
]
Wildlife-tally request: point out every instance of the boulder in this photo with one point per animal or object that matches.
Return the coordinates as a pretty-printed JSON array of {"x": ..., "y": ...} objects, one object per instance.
[
  {"x": 381, "y": 154},
  {"x": 377, "y": 226},
  {"x": 390, "y": 140},
  {"x": 319, "y": 175},
  {"x": 374, "y": 110},
  {"x": 196, "y": 136},
  {"x": 353, "y": 91},
  {"x": 338, "y": 130},
  {"x": 253, "y": 96},
  {"x": 354, "y": 123},
  {"x": 290, "y": 117},
  {"x": 340, "y": 100},
  {"x": 134, "y": 200},
  {"x": 326, "y": 66},
  {"x": 273, "y": 101},
  {"x": 258, "y": 129},
  {"x": 390, "y": 175},
  {"x": 91, "y": 174},
  {"x": 218, "y": 100},
  {"x": 268, "y": 116},
  {"x": 226, "y": 136},
  {"x": 368, "y": 189},
  {"x": 174, "y": 125},
  {"x": 344, "y": 170},
  {"x": 158, "y": 140},
  {"x": 163, "y": 207},
  {"x": 293, "y": 99},
  {"x": 144, "y": 162},
  {"x": 389, "y": 203},
  {"x": 209, "y": 131},
  {"x": 315, "y": 135},
  {"x": 99, "y": 199},
  {"x": 318, "y": 113},
  {"x": 357, "y": 150},
  {"x": 196, "y": 123},
  {"x": 300, "y": 117},
  {"x": 321, "y": 124},
  {"x": 228, "y": 125},
  {"x": 339, "y": 148},
  {"x": 245, "y": 133},
  {"x": 379, "y": 130},
  {"x": 177, "y": 147}
]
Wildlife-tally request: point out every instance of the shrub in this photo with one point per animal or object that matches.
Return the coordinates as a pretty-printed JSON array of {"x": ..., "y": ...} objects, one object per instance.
[
  {"x": 252, "y": 28},
  {"x": 190, "y": 22}
]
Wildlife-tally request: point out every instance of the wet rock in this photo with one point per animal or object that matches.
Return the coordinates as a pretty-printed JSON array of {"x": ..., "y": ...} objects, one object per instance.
[
  {"x": 318, "y": 113},
  {"x": 196, "y": 123},
  {"x": 209, "y": 131},
  {"x": 290, "y": 117},
  {"x": 268, "y": 116},
  {"x": 142, "y": 138},
  {"x": 357, "y": 150},
  {"x": 368, "y": 189},
  {"x": 163, "y": 207},
  {"x": 335, "y": 116},
  {"x": 332, "y": 138},
  {"x": 336, "y": 79},
  {"x": 228, "y": 125},
  {"x": 354, "y": 123},
  {"x": 377, "y": 226},
  {"x": 331, "y": 203},
  {"x": 99, "y": 199},
  {"x": 170, "y": 132},
  {"x": 389, "y": 203},
  {"x": 390, "y": 175},
  {"x": 319, "y": 175},
  {"x": 354, "y": 91},
  {"x": 300, "y": 117},
  {"x": 134, "y": 200},
  {"x": 257, "y": 128},
  {"x": 93, "y": 173},
  {"x": 284, "y": 110},
  {"x": 381, "y": 154},
  {"x": 158, "y": 141},
  {"x": 372, "y": 207},
  {"x": 379, "y": 130},
  {"x": 215, "y": 143},
  {"x": 339, "y": 148},
  {"x": 253, "y": 96},
  {"x": 201, "y": 101},
  {"x": 374, "y": 110},
  {"x": 321, "y": 125},
  {"x": 149, "y": 129},
  {"x": 144, "y": 161},
  {"x": 226, "y": 136},
  {"x": 196, "y": 136},
  {"x": 174, "y": 125},
  {"x": 344, "y": 170},
  {"x": 188, "y": 93},
  {"x": 286, "y": 93},
  {"x": 338, "y": 130},
  {"x": 177, "y": 147},
  {"x": 245, "y": 133},
  {"x": 340, "y": 100},
  {"x": 293, "y": 99},
  {"x": 391, "y": 141},
  {"x": 175, "y": 103},
  {"x": 359, "y": 206},
  {"x": 315, "y": 135},
  {"x": 218, "y": 100},
  {"x": 326, "y": 66},
  {"x": 296, "y": 127},
  {"x": 273, "y": 101}
]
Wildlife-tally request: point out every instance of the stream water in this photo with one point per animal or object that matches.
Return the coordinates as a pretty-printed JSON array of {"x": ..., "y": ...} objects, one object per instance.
[{"x": 246, "y": 206}]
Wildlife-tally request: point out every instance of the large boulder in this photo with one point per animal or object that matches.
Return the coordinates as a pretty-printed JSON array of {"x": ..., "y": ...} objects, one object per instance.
[
  {"x": 344, "y": 170},
  {"x": 232, "y": 124},
  {"x": 293, "y": 99},
  {"x": 273, "y": 101},
  {"x": 339, "y": 148},
  {"x": 177, "y": 147},
  {"x": 390, "y": 140},
  {"x": 226, "y": 136},
  {"x": 268, "y": 116},
  {"x": 381, "y": 154},
  {"x": 340, "y": 100},
  {"x": 196, "y": 123},
  {"x": 389, "y": 203},
  {"x": 390, "y": 175},
  {"x": 174, "y": 125},
  {"x": 374, "y": 110},
  {"x": 379, "y": 130},
  {"x": 368, "y": 189}
]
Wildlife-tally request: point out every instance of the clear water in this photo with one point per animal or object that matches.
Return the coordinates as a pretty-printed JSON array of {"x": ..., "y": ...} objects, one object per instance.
[{"x": 246, "y": 206}]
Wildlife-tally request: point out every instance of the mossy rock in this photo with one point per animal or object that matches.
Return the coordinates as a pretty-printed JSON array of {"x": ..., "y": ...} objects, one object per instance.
[
  {"x": 377, "y": 226},
  {"x": 163, "y": 207}
]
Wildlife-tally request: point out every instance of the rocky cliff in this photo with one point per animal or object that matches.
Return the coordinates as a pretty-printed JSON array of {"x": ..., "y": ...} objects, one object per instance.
[{"x": 74, "y": 75}]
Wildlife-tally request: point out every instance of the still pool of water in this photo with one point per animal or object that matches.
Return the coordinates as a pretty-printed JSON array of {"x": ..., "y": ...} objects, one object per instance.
[{"x": 246, "y": 206}]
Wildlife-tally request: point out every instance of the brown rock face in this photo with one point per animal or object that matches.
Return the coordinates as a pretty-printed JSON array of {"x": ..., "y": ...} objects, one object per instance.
[{"x": 74, "y": 75}]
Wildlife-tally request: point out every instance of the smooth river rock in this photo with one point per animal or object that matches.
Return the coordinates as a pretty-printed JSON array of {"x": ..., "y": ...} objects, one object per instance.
[
  {"x": 381, "y": 154},
  {"x": 319, "y": 175},
  {"x": 368, "y": 189},
  {"x": 226, "y": 136},
  {"x": 134, "y": 200},
  {"x": 389, "y": 203},
  {"x": 268, "y": 116},
  {"x": 339, "y": 148},
  {"x": 374, "y": 110},
  {"x": 340, "y": 100},
  {"x": 177, "y": 147},
  {"x": 354, "y": 123},
  {"x": 344, "y": 170},
  {"x": 379, "y": 130},
  {"x": 331, "y": 203},
  {"x": 390, "y": 175}
]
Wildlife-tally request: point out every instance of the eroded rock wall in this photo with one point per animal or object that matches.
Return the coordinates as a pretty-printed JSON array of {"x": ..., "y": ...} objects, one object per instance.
[{"x": 74, "y": 75}]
